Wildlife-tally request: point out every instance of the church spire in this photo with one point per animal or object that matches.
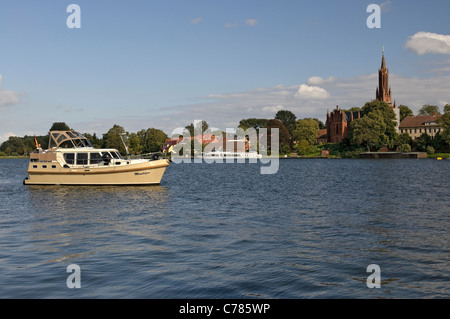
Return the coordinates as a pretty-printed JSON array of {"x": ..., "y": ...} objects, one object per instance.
[
  {"x": 383, "y": 62},
  {"x": 383, "y": 90}
]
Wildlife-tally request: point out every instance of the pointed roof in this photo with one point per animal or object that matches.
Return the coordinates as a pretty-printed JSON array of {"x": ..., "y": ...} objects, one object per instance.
[{"x": 383, "y": 62}]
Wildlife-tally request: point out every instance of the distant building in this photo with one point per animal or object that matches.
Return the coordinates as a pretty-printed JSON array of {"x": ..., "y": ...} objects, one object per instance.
[
  {"x": 383, "y": 92},
  {"x": 169, "y": 144},
  {"x": 417, "y": 125},
  {"x": 218, "y": 143},
  {"x": 338, "y": 121}
]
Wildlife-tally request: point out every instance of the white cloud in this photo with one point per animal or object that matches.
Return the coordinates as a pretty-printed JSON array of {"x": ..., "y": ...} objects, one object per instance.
[
  {"x": 196, "y": 20},
  {"x": 251, "y": 22},
  {"x": 427, "y": 42},
  {"x": 317, "y": 80},
  {"x": 7, "y": 97},
  {"x": 311, "y": 92},
  {"x": 272, "y": 109}
]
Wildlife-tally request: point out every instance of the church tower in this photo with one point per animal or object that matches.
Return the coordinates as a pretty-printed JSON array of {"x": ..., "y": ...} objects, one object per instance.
[{"x": 384, "y": 90}]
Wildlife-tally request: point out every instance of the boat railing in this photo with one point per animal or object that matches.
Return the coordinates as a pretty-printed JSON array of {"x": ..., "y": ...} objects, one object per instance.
[{"x": 43, "y": 156}]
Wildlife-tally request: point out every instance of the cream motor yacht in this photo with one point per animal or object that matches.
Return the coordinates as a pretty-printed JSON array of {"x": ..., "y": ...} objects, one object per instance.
[{"x": 72, "y": 160}]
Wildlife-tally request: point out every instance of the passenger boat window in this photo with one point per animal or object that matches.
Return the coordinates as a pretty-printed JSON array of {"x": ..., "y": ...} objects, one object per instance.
[
  {"x": 95, "y": 158},
  {"x": 82, "y": 158},
  {"x": 115, "y": 155},
  {"x": 69, "y": 158}
]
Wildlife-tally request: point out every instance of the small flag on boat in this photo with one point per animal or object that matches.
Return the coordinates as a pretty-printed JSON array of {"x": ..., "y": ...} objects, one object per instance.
[{"x": 35, "y": 142}]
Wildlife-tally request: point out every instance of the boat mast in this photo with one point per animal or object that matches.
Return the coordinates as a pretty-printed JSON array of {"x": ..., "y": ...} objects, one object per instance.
[{"x": 126, "y": 147}]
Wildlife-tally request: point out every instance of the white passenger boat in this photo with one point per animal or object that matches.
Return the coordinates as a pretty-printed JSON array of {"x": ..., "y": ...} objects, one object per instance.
[
  {"x": 71, "y": 160},
  {"x": 232, "y": 155}
]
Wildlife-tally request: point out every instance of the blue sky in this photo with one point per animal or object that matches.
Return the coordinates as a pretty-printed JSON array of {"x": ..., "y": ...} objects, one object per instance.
[{"x": 164, "y": 64}]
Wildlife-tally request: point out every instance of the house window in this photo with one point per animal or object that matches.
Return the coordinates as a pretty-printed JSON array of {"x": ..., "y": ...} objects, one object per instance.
[{"x": 420, "y": 130}]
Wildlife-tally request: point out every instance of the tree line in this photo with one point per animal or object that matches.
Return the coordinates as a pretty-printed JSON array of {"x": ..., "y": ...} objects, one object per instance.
[
  {"x": 376, "y": 129},
  {"x": 373, "y": 131}
]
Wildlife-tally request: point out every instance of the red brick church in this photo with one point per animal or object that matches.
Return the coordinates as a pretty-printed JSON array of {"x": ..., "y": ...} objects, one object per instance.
[{"x": 338, "y": 121}]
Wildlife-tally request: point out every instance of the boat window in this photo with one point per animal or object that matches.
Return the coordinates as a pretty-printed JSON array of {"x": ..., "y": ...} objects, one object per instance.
[
  {"x": 69, "y": 158},
  {"x": 82, "y": 158},
  {"x": 71, "y": 135},
  {"x": 114, "y": 154},
  {"x": 61, "y": 138},
  {"x": 95, "y": 158},
  {"x": 66, "y": 144}
]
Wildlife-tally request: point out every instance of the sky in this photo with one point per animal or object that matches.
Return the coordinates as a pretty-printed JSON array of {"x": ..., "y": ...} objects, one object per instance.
[{"x": 167, "y": 63}]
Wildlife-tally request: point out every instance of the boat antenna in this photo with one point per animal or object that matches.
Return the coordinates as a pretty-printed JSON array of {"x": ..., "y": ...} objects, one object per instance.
[{"x": 126, "y": 147}]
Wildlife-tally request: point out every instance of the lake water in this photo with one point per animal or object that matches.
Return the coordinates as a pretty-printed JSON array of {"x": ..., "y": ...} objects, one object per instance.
[{"x": 226, "y": 231}]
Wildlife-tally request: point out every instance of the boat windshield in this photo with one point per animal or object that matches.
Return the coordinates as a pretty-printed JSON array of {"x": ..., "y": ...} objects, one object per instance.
[{"x": 68, "y": 139}]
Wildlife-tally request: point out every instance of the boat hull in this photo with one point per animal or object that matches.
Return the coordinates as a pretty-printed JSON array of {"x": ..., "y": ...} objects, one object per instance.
[{"x": 145, "y": 173}]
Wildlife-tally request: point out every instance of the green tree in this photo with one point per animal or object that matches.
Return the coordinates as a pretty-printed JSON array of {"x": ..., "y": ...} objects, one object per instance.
[
  {"x": 404, "y": 112},
  {"x": 134, "y": 144},
  {"x": 59, "y": 126},
  {"x": 444, "y": 121},
  {"x": 428, "y": 109},
  {"x": 253, "y": 122},
  {"x": 306, "y": 129},
  {"x": 199, "y": 126},
  {"x": 288, "y": 119},
  {"x": 447, "y": 108},
  {"x": 405, "y": 138},
  {"x": 153, "y": 140},
  {"x": 283, "y": 134},
  {"x": 319, "y": 122},
  {"x": 112, "y": 139},
  {"x": 353, "y": 109},
  {"x": 388, "y": 117},
  {"x": 423, "y": 142},
  {"x": 404, "y": 148},
  {"x": 369, "y": 130},
  {"x": 14, "y": 146},
  {"x": 96, "y": 142},
  {"x": 303, "y": 147}
]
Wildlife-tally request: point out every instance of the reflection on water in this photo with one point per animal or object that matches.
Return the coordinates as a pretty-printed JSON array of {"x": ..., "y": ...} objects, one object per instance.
[{"x": 85, "y": 216}]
